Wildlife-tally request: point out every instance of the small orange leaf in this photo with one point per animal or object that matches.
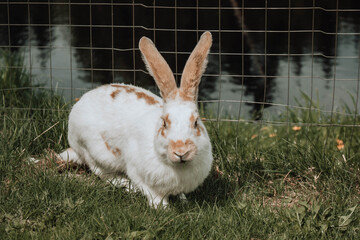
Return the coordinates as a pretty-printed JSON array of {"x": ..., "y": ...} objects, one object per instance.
[
  {"x": 218, "y": 173},
  {"x": 340, "y": 147},
  {"x": 296, "y": 128},
  {"x": 253, "y": 136},
  {"x": 77, "y": 99},
  {"x": 272, "y": 135},
  {"x": 340, "y": 144}
]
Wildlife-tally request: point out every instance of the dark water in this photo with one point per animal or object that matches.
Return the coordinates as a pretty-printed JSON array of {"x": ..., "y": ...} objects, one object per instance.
[{"x": 78, "y": 46}]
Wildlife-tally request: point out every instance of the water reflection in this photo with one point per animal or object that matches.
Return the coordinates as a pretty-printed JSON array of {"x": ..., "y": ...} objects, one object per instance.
[{"x": 80, "y": 45}]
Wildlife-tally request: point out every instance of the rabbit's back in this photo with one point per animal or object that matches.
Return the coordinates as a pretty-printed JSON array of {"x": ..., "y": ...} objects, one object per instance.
[
  {"x": 115, "y": 106},
  {"x": 112, "y": 123}
]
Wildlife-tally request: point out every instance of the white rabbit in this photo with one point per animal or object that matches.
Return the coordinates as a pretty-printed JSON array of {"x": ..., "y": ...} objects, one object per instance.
[{"x": 161, "y": 145}]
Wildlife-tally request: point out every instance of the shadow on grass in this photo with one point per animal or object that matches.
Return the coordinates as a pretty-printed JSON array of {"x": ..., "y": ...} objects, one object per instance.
[
  {"x": 220, "y": 188},
  {"x": 214, "y": 191}
]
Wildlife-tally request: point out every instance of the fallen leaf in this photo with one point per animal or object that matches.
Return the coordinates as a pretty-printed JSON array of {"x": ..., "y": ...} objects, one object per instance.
[
  {"x": 218, "y": 173},
  {"x": 340, "y": 144},
  {"x": 296, "y": 128},
  {"x": 339, "y": 141}
]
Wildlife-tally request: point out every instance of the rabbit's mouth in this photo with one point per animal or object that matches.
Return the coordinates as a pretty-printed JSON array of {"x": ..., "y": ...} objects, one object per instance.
[
  {"x": 181, "y": 151},
  {"x": 182, "y": 160},
  {"x": 182, "y": 157}
]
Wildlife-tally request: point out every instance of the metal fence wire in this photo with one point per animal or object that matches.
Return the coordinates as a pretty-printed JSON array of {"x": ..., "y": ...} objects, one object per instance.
[{"x": 269, "y": 59}]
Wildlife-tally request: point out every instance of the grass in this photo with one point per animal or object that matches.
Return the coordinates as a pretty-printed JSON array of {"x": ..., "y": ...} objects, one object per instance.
[{"x": 267, "y": 182}]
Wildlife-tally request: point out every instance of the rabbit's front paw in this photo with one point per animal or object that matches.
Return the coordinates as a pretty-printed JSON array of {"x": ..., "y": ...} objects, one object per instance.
[
  {"x": 159, "y": 202},
  {"x": 123, "y": 183}
]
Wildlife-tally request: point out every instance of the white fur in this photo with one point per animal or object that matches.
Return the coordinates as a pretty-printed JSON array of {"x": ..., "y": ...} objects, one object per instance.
[
  {"x": 100, "y": 122},
  {"x": 134, "y": 130}
]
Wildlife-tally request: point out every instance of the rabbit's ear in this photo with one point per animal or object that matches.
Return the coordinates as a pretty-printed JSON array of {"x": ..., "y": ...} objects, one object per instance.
[
  {"x": 195, "y": 67},
  {"x": 157, "y": 67}
]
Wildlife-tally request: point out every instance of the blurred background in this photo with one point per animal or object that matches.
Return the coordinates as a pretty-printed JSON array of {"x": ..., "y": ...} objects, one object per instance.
[{"x": 267, "y": 56}]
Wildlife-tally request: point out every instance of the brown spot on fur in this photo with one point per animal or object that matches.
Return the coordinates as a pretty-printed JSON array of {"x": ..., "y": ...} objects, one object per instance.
[
  {"x": 129, "y": 89},
  {"x": 179, "y": 145},
  {"x": 163, "y": 132},
  {"x": 140, "y": 95},
  {"x": 107, "y": 146},
  {"x": 149, "y": 99},
  {"x": 116, "y": 151},
  {"x": 115, "y": 93},
  {"x": 199, "y": 129},
  {"x": 176, "y": 145},
  {"x": 192, "y": 118}
]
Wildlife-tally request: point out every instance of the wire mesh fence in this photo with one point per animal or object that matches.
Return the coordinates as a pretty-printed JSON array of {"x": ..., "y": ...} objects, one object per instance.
[{"x": 270, "y": 60}]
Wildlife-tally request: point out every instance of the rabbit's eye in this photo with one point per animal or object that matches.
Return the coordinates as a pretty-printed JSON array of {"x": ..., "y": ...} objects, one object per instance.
[
  {"x": 196, "y": 123},
  {"x": 166, "y": 121},
  {"x": 164, "y": 124}
]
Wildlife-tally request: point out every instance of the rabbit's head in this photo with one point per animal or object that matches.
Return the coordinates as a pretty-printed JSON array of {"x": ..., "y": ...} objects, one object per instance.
[{"x": 181, "y": 136}]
